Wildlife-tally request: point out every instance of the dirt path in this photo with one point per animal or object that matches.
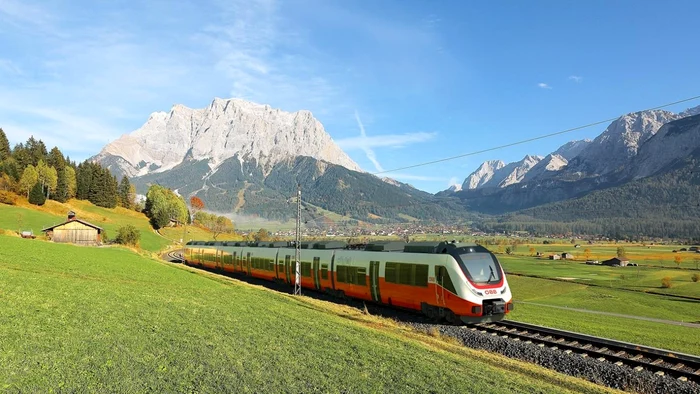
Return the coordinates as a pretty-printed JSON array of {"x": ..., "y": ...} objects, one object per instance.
[{"x": 651, "y": 319}]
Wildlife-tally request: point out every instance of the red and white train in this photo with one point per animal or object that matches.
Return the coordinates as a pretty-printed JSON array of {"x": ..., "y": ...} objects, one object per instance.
[{"x": 443, "y": 280}]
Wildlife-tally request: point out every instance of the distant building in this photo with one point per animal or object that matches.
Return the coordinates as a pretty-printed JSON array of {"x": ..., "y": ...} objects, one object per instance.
[
  {"x": 693, "y": 249},
  {"x": 567, "y": 256},
  {"x": 577, "y": 246},
  {"x": 592, "y": 262},
  {"x": 616, "y": 262},
  {"x": 554, "y": 257},
  {"x": 539, "y": 254},
  {"x": 75, "y": 231}
]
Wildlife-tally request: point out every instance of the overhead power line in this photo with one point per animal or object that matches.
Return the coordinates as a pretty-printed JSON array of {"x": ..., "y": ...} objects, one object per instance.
[{"x": 527, "y": 140}]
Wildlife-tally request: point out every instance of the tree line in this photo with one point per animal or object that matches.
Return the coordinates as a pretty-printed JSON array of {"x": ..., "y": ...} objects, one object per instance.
[{"x": 30, "y": 171}]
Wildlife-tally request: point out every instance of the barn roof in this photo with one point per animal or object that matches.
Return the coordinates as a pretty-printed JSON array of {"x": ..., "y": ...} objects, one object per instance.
[{"x": 73, "y": 220}]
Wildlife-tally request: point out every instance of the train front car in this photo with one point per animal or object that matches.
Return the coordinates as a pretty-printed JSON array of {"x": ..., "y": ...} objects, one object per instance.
[{"x": 483, "y": 284}]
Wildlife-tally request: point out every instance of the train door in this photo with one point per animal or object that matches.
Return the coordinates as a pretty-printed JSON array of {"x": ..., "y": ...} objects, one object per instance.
[
  {"x": 374, "y": 281},
  {"x": 247, "y": 262},
  {"x": 317, "y": 273},
  {"x": 219, "y": 259},
  {"x": 440, "y": 273},
  {"x": 234, "y": 261}
]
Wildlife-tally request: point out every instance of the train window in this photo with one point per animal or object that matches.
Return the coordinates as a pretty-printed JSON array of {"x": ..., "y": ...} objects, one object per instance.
[
  {"x": 361, "y": 277},
  {"x": 342, "y": 271},
  {"x": 324, "y": 271},
  {"x": 306, "y": 269},
  {"x": 271, "y": 265},
  {"x": 406, "y": 274},
  {"x": 442, "y": 278},
  {"x": 352, "y": 275}
]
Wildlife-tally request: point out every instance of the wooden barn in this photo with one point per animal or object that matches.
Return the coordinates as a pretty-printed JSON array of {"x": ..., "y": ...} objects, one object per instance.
[{"x": 75, "y": 231}]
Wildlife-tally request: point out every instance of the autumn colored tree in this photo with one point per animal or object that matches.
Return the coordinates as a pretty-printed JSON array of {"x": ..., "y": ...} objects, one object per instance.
[
  {"x": 532, "y": 251},
  {"x": 678, "y": 260},
  {"x": 587, "y": 253},
  {"x": 196, "y": 205},
  {"x": 29, "y": 178}
]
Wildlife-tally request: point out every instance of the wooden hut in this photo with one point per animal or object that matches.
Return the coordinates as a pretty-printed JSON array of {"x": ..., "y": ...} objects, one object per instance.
[{"x": 74, "y": 231}]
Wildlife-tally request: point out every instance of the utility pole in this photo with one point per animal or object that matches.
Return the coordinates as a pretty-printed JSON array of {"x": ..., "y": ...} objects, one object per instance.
[{"x": 297, "y": 245}]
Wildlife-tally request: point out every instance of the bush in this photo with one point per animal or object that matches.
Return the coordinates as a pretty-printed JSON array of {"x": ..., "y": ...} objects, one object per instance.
[
  {"x": 8, "y": 198},
  {"x": 695, "y": 278},
  {"x": 36, "y": 195},
  {"x": 128, "y": 235},
  {"x": 666, "y": 282}
]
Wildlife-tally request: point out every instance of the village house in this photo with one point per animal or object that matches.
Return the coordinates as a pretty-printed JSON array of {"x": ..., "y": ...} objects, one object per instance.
[
  {"x": 616, "y": 262},
  {"x": 554, "y": 257},
  {"x": 74, "y": 231},
  {"x": 567, "y": 256}
]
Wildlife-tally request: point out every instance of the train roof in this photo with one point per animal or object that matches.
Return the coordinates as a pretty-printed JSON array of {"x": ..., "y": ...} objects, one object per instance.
[{"x": 435, "y": 247}]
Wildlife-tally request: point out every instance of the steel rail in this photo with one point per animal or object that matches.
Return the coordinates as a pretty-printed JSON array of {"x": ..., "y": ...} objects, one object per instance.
[{"x": 661, "y": 361}]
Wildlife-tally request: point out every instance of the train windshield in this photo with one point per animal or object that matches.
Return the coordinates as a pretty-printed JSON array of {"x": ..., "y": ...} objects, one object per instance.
[{"x": 480, "y": 267}]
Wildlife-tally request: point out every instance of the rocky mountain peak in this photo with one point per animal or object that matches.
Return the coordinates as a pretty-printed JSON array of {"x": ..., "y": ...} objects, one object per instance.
[
  {"x": 572, "y": 148},
  {"x": 224, "y": 129},
  {"x": 620, "y": 141},
  {"x": 483, "y": 174}
]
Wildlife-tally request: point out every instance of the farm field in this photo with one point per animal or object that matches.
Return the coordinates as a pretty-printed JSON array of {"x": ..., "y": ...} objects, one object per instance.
[
  {"x": 573, "y": 295},
  {"x": 106, "y": 320},
  {"x": 641, "y": 278}
]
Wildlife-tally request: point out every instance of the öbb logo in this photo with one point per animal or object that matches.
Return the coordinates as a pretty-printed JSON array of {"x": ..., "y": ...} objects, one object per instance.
[{"x": 491, "y": 292}]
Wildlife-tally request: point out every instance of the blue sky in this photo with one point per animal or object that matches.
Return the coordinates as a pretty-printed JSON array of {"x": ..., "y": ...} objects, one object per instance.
[{"x": 424, "y": 80}]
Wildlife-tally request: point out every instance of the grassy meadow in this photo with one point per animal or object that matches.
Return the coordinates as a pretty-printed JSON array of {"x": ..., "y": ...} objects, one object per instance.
[{"x": 108, "y": 320}]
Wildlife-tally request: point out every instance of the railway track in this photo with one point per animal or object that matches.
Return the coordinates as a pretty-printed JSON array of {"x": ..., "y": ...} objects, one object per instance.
[
  {"x": 684, "y": 367},
  {"x": 176, "y": 255}
]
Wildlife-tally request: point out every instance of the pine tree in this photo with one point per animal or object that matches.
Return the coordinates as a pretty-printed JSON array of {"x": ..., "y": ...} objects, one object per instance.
[
  {"x": 55, "y": 159},
  {"x": 36, "y": 149},
  {"x": 4, "y": 146},
  {"x": 124, "y": 193},
  {"x": 36, "y": 195},
  {"x": 61, "y": 194}
]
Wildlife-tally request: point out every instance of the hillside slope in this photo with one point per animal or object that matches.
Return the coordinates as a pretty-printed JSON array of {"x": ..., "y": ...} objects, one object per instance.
[{"x": 140, "y": 325}]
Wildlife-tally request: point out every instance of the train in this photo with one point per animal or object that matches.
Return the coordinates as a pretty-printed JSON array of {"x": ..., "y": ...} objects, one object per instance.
[{"x": 447, "y": 281}]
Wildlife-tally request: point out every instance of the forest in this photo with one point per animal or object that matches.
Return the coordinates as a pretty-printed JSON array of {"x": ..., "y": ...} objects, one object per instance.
[{"x": 33, "y": 172}]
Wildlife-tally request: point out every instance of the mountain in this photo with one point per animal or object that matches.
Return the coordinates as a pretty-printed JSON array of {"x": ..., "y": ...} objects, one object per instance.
[
  {"x": 620, "y": 141},
  {"x": 643, "y": 151},
  {"x": 482, "y": 175},
  {"x": 549, "y": 165},
  {"x": 247, "y": 158},
  {"x": 691, "y": 111},
  {"x": 218, "y": 132},
  {"x": 572, "y": 149}
]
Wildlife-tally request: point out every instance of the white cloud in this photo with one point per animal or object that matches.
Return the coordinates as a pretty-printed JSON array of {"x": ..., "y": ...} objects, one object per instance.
[
  {"x": 543, "y": 85},
  {"x": 264, "y": 61},
  {"x": 387, "y": 140},
  {"x": 576, "y": 78}
]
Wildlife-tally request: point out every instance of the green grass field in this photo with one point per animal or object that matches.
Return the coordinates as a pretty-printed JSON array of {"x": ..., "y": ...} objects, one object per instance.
[
  {"x": 29, "y": 217},
  {"x": 641, "y": 278},
  {"x": 572, "y": 295},
  {"x": 108, "y": 320}
]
